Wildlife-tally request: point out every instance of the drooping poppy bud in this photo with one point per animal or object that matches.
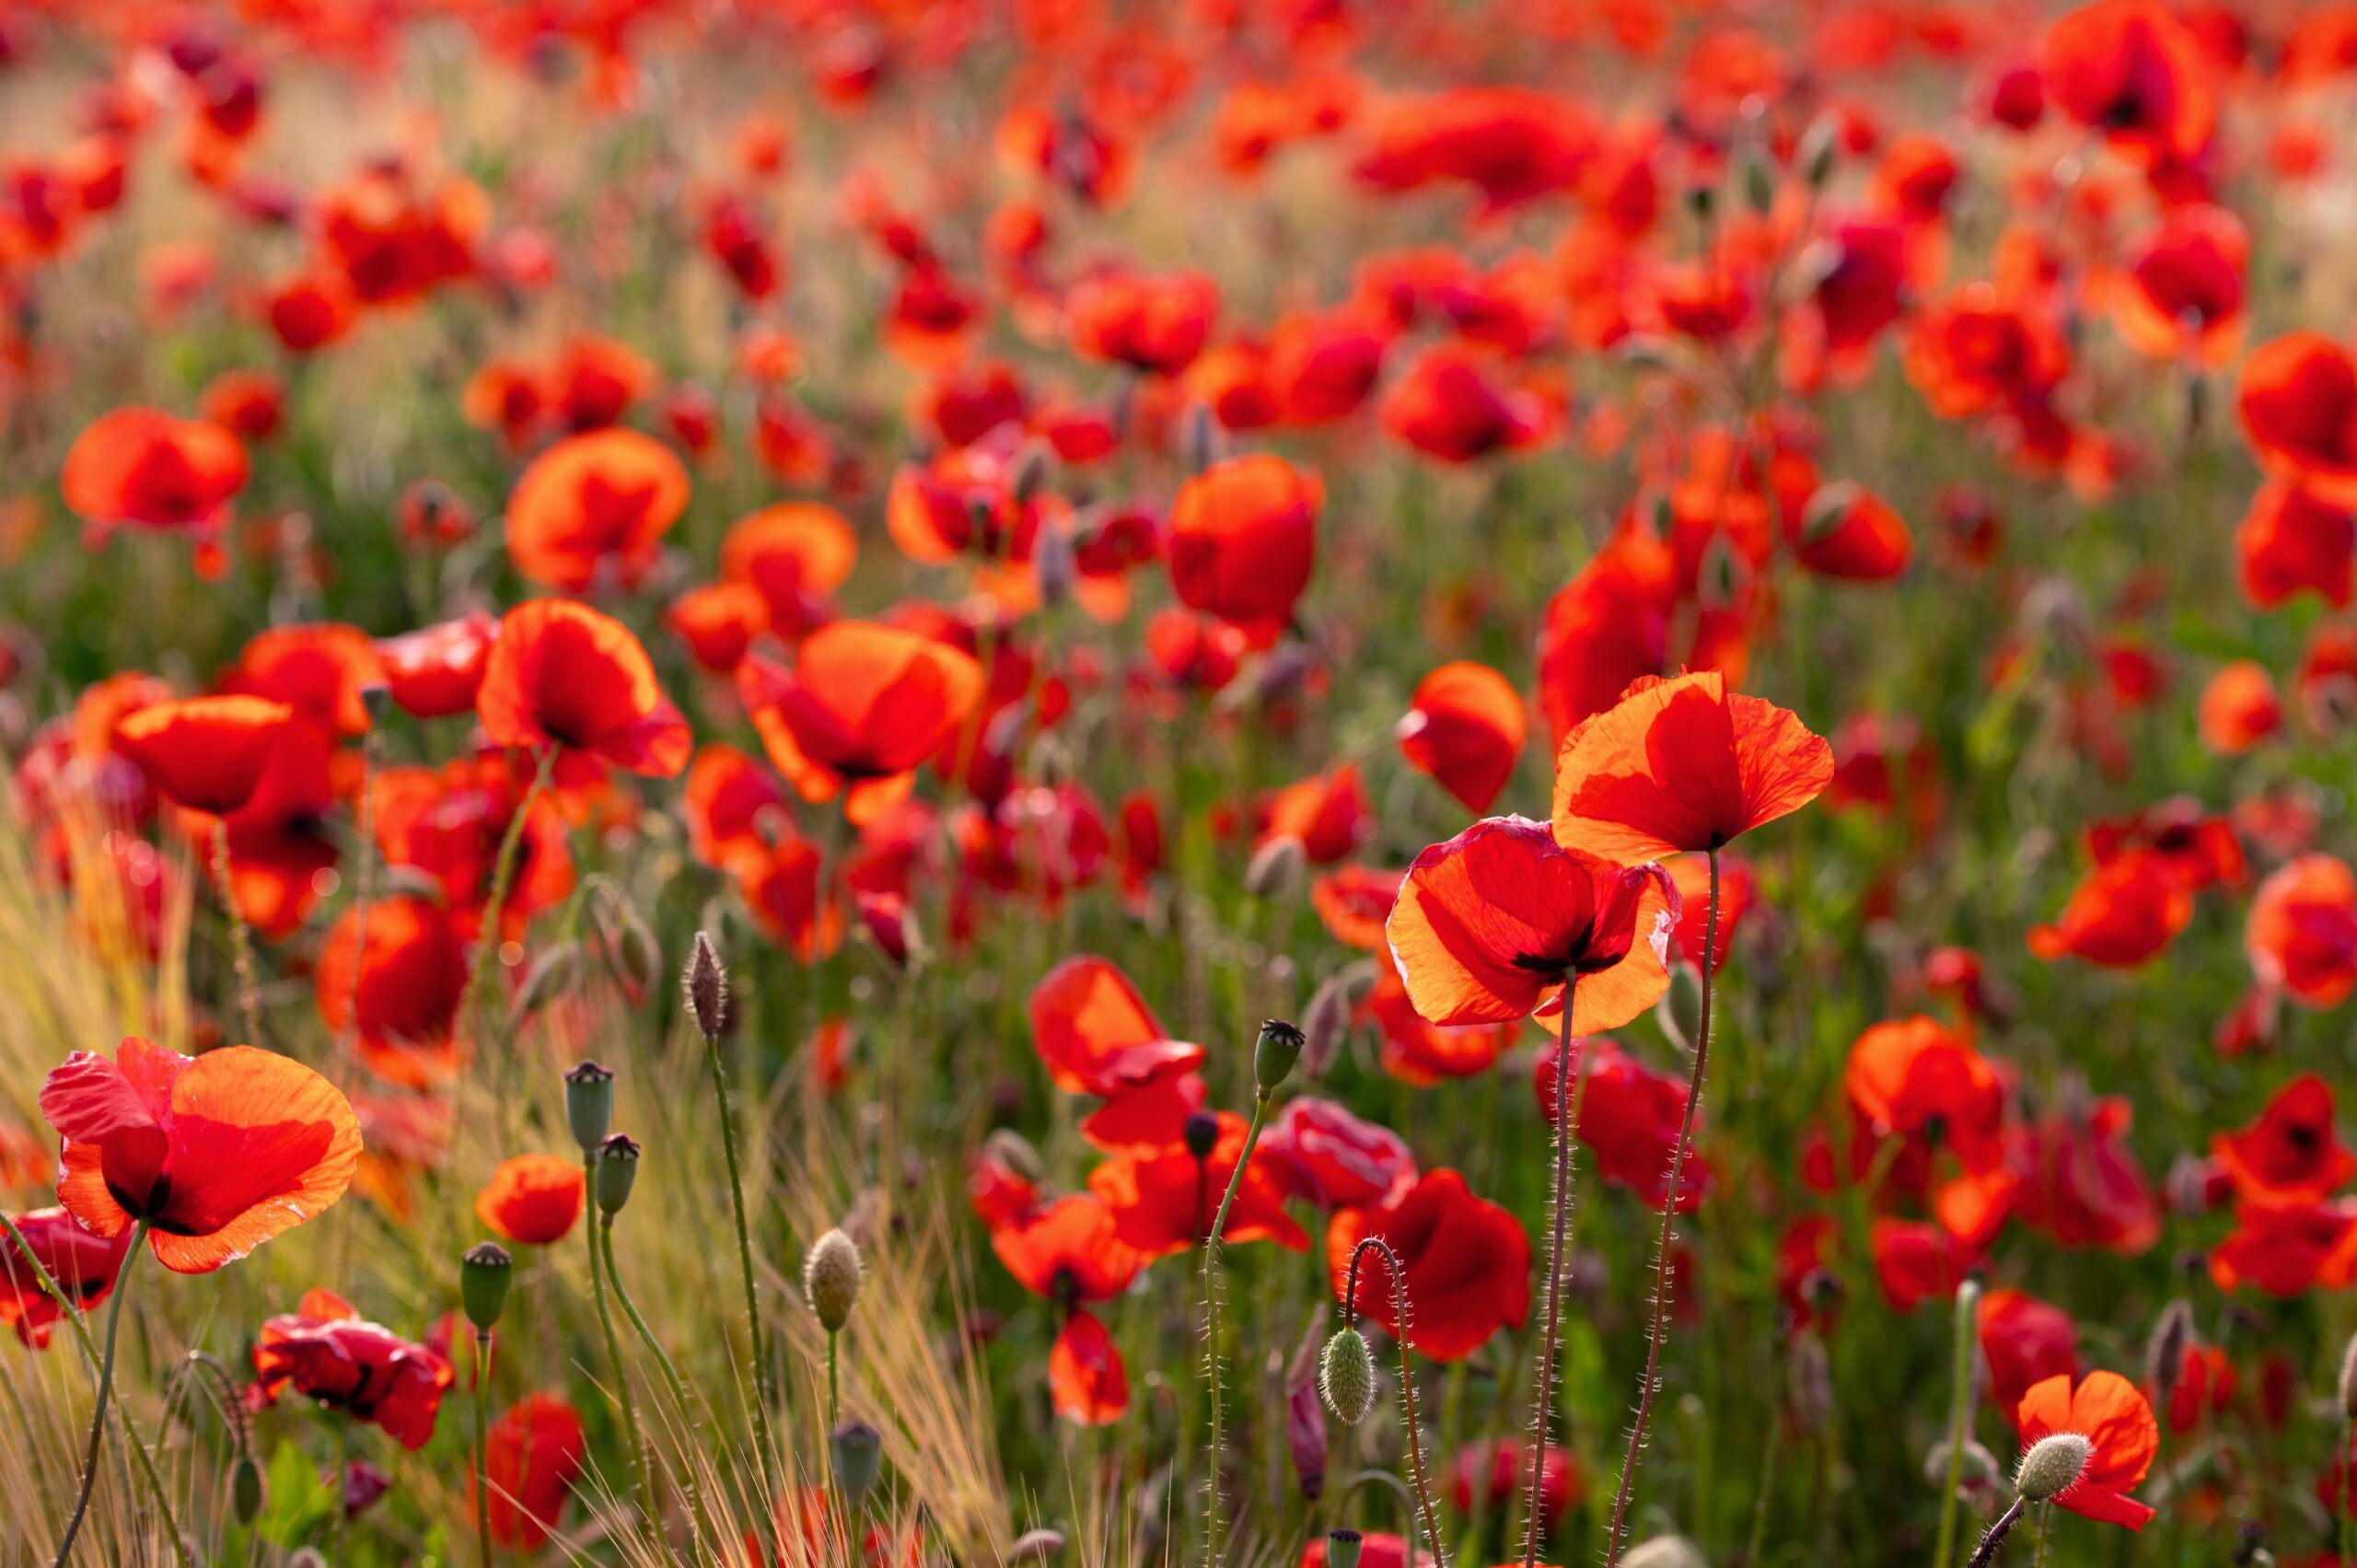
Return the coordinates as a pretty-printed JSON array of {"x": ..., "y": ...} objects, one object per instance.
[
  {"x": 1346, "y": 1377},
  {"x": 1200, "y": 1132}
]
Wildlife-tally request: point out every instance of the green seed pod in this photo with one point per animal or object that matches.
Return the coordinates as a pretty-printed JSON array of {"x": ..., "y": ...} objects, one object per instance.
[
  {"x": 1274, "y": 1053},
  {"x": 857, "y": 1450},
  {"x": 830, "y": 1277},
  {"x": 485, "y": 1271},
  {"x": 2051, "y": 1465},
  {"x": 1342, "y": 1546},
  {"x": 589, "y": 1103},
  {"x": 1346, "y": 1377},
  {"x": 245, "y": 1489},
  {"x": 617, "y": 1170}
]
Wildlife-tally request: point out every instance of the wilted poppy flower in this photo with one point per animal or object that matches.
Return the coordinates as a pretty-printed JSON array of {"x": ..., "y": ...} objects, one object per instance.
[
  {"x": 1682, "y": 764},
  {"x": 2301, "y": 935},
  {"x": 2131, "y": 70},
  {"x": 1086, "y": 1381},
  {"x": 2024, "y": 1342},
  {"x": 2298, "y": 401},
  {"x": 218, "y": 1152},
  {"x": 2122, "y": 916},
  {"x": 1630, "y": 1115},
  {"x": 1490, "y": 926},
  {"x": 861, "y": 707},
  {"x": 1156, "y": 324},
  {"x": 398, "y": 988},
  {"x": 2104, "y": 1409},
  {"x": 793, "y": 554},
  {"x": 1243, "y": 538},
  {"x": 563, "y": 674},
  {"x": 533, "y": 1198},
  {"x": 1163, "y": 1200},
  {"x": 1468, "y": 1264},
  {"x": 593, "y": 502},
  {"x": 1465, "y": 727},
  {"x": 2292, "y": 1153},
  {"x": 1333, "y": 1159},
  {"x": 532, "y": 1454},
  {"x": 143, "y": 469},
  {"x": 205, "y": 753},
  {"x": 84, "y": 1266},
  {"x": 325, "y": 1350}
]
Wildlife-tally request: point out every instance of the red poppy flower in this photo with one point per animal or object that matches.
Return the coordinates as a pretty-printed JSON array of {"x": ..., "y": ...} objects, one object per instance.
[
  {"x": 2024, "y": 1342},
  {"x": 2301, "y": 935},
  {"x": 1243, "y": 538},
  {"x": 778, "y": 879},
  {"x": 2081, "y": 1185},
  {"x": 1377, "y": 1548},
  {"x": 2239, "y": 708},
  {"x": 1164, "y": 1198},
  {"x": 2198, "y": 850},
  {"x": 2130, "y": 69},
  {"x": 1511, "y": 143},
  {"x": 590, "y": 503},
  {"x": 1467, "y": 1259},
  {"x": 563, "y": 674},
  {"x": 143, "y": 469},
  {"x": 2292, "y": 542},
  {"x": 437, "y": 670},
  {"x": 1464, "y": 728},
  {"x": 1086, "y": 1382},
  {"x": 218, "y": 1152},
  {"x": 1353, "y": 901},
  {"x": 1327, "y": 814},
  {"x": 1629, "y": 1115},
  {"x": 1488, "y": 1472},
  {"x": 205, "y": 753},
  {"x": 2288, "y": 1249},
  {"x": 1608, "y": 627},
  {"x": 2205, "y": 1386},
  {"x": 2292, "y": 1153},
  {"x": 325, "y": 1350},
  {"x": 1417, "y": 1051},
  {"x": 1916, "y": 1261},
  {"x": 2104, "y": 1409},
  {"x": 2182, "y": 299},
  {"x": 864, "y": 706},
  {"x": 731, "y": 800},
  {"x": 323, "y": 672},
  {"x": 1449, "y": 405},
  {"x": 795, "y": 555},
  {"x": 532, "y": 1454},
  {"x": 2122, "y": 916},
  {"x": 1154, "y": 324},
  {"x": 1333, "y": 1159},
  {"x": 718, "y": 622},
  {"x": 83, "y": 1265},
  {"x": 1853, "y": 536},
  {"x": 397, "y": 988},
  {"x": 1490, "y": 926},
  {"x": 1682, "y": 764},
  {"x": 2298, "y": 401},
  {"x": 1916, "y": 1079},
  {"x": 448, "y": 824},
  {"x": 1069, "y": 1250},
  {"x": 533, "y": 1198}
]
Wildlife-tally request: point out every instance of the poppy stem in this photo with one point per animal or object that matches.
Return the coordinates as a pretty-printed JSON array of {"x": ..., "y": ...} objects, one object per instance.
[
  {"x": 1211, "y": 1319},
  {"x": 614, "y": 1355},
  {"x": 2347, "y": 1480},
  {"x": 1960, "y": 1394},
  {"x": 1540, "y": 1421},
  {"x": 338, "y": 1486},
  {"x": 482, "y": 1443},
  {"x": 834, "y": 1384},
  {"x": 503, "y": 874},
  {"x": 671, "y": 1379},
  {"x": 1660, "y": 1328},
  {"x": 764, "y": 1393},
  {"x": 1986, "y": 1552},
  {"x": 106, "y": 1388},
  {"x": 241, "y": 936},
  {"x": 1407, "y": 1378},
  {"x": 2038, "y": 1550}
]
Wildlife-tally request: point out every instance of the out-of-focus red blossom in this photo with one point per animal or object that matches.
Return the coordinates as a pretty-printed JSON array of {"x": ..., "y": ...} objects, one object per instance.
[
  {"x": 142, "y": 468},
  {"x": 1918, "y": 1261},
  {"x": 206, "y": 754},
  {"x": 1327, "y": 814},
  {"x": 326, "y": 1351},
  {"x": 1512, "y": 145},
  {"x": 2291, "y": 1153},
  {"x": 1377, "y": 1548},
  {"x": 794, "y": 555},
  {"x": 2080, "y": 1183},
  {"x": 1353, "y": 901},
  {"x": 563, "y": 674},
  {"x": 1919, "y": 1081},
  {"x": 397, "y": 988},
  {"x": 2024, "y": 1342},
  {"x": 1154, "y": 324},
  {"x": 2131, "y": 70},
  {"x": 1488, "y": 1473},
  {"x": 2298, "y": 403},
  {"x": 2288, "y": 1249},
  {"x": 2239, "y": 709},
  {"x": 2301, "y": 935},
  {"x": 1464, "y": 728},
  {"x": 533, "y": 1198},
  {"x": 2106, "y": 1409},
  {"x": 532, "y": 1454},
  {"x": 1163, "y": 1200},
  {"x": 1086, "y": 1380},
  {"x": 83, "y": 1265},
  {"x": 1332, "y": 1158},
  {"x": 2121, "y": 916},
  {"x": 2292, "y": 542},
  {"x": 593, "y": 504},
  {"x": 1243, "y": 538},
  {"x": 1467, "y": 1265},
  {"x": 863, "y": 706},
  {"x": 1630, "y": 1115},
  {"x": 2204, "y": 1387}
]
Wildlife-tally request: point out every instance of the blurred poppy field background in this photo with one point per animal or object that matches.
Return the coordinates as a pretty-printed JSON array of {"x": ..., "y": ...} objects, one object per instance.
[{"x": 798, "y": 781}]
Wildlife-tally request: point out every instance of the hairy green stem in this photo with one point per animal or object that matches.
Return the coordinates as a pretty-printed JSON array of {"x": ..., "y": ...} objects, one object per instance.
[
  {"x": 1415, "y": 1437},
  {"x": 671, "y": 1379},
  {"x": 1211, "y": 1322},
  {"x": 106, "y": 1388},
  {"x": 764, "y": 1394},
  {"x": 614, "y": 1355},
  {"x": 482, "y": 1443},
  {"x": 1960, "y": 1393},
  {"x": 1561, "y": 1239}
]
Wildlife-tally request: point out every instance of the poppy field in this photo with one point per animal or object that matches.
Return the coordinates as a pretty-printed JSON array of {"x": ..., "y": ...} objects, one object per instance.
[{"x": 875, "y": 783}]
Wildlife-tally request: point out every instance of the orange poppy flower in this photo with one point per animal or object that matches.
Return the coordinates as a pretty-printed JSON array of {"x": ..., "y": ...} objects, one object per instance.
[
  {"x": 2122, "y": 916},
  {"x": 2292, "y": 1153},
  {"x": 533, "y": 1198},
  {"x": 218, "y": 1152},
  {"x": 864, "y": 706},
  {"x": 718, "y": 622},
  {"x": 2301, "y": 935},
  {"x": 1465, "y": 727},
  {"x": 322, "y": 672},
  {"x": 1086, "y": 1381},
  {"x": 1327, "y": 814},
  {"x": 1164, "y": 1198},
  {"x": 793, "y": 554},
  {"x": 437, "y": 670},
  {"x": 1918, "y": 1080},
  {"x": 1154, "y": 324},
  {"x": 2298, "y": 403},
  {"x": 1511, "y": 143},
  {"x": 1492, "y": 925},
  {"x": 1354, "y": 901},
  {"x": 728, "y": 802},
  {"x": 590, "y": 501},
  {"x": 1416, "y": 1051},
  {"x": 2130, "y": 69},
  {"x": 1071, "y": 1249},
  {"x": 532, "y": 1454},
  {"x": 2239, "y": 708},
  {"x": 1467, "y": 1262},
  {"x": 2105, "y": 1409},
  {"x": 1243, "y": 538},
  {"x": 1682, "y": 764},
  {"x": 205, "y": 753},
  {"x": 397, "y": 988},
  {"x": 144, "y": 469},
  {"x": 563, "y": 674}
]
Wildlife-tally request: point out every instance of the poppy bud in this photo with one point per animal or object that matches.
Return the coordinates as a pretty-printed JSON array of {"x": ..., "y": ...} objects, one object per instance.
[
  {"x": 245, "y": 1489},
  {"x": 2165, "y": 1351},
  {"x": 485, "y": 1272},
  {"x": 1977, "y": 1470},
  {"x": 2052, "y": 1463},
  {"x": 1701, "y": 200},
  {"x": 1035, "y": 1546},
  {"x": 2348, "y": 1380},
  {"x": 857, "y": 1450},
  {"x": 1759, "y": 182},
  {"x": 1819, "y": 147},
  {"x": 1346, "y": 1377},
  {"x": 1032, "y": 465},
  {"x": 1306, "y": 1438},
  {"x": 1679, "y": 1011},
  {"x": 589, "y": 1103},
  {"x": 617, "y": 1170},
  {"x": 631, "y": 951},
  {"x": 1201, "y": 1131},
  {"x": 707, "y": 987},
  {"x": 831, "y": 1276},
  {"x": 1825, "y": 509},
  {"x": 376, "y": 697},
  {"x": 1342, "y": 1546},
  {"x": 1202, "y": 438},
  {"x": 307, "y": 1558},
  {"x": 1274, "y": 1053},
  {"x": 553, "y": 974},
  {"x": 1724, "y": 574},
  {"x": 1328, "y": 1020},
  {"x": 1642, "y": 353},
  {"x": 1275, "y": 866},
  {"x": 1054, "y": 565},
  {"x": 1811, "y": 1378},
  {"x": 1011, "y": 1149}
]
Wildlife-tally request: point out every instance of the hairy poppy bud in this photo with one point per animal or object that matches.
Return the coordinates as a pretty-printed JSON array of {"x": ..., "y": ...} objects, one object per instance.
[
  {"x": 1977, "y": 1468},
  {"x": 857, "y": 1450},
  {"x": 1202, "y": 438},
  {"x": 631, "y": 950},
  {"x": 831, "y": 1276},
  {"x": 1054, "y": 565},
  {"x": 1035, "y": 1546},
  {"x": 246, "y": 1490},
  {"x": 1274, "y": 1053},
  {"x": 1201, "y": 1131},
  {"x": 2051, "y": 1465},
  {"x": 485, "y": 1272},
  {"x": 1323, "y": 1027},
  {"x": 1346, "y": 1377},
  {"x": 1343, "y": 1545},
  {"x": 2165, "y": 1351},
  {"x": 589, "y": 1103},
  {"x": 1759, "y": 182},
  {"x": 1701, "y": 200},
  {"x": 1032, "y": 465},
  {"x": 617, "y": 1170},
  {"x": 1812, "y": 1382},
  {"x": 707, "y": 987}
]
